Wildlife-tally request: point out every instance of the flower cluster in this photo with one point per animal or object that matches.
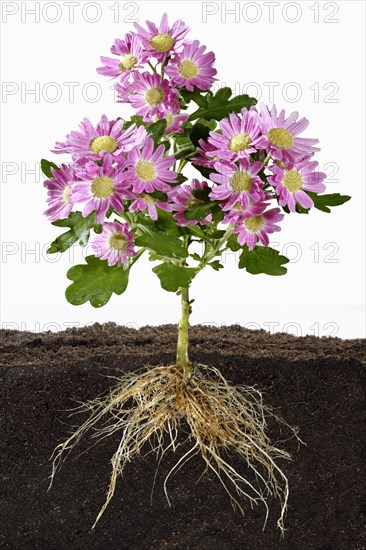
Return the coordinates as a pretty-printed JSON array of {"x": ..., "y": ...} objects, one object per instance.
[
  {"x": 183, "y": 62},
  {"x": 253, "y": 159}
]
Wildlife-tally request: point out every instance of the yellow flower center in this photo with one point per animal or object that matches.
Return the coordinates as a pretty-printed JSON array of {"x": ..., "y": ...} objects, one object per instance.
[
  {"x": 162, "y": 42},
  {"x": 154, "y": 96},
  {"x": 239, "y": 142},
  {"x": 255, "y": 223},
  {"x": 103, "y": 143},
  {"x": 148, "y": 198},
  {"x": 66, "y": 194},
  {"x": 188, "y": 68},
  {"x": 293, "y": 180},
  {"x": 280, "y": 137},
  {"x": 145, "y": 170},
  {"x": 128, "y": 62},
  {"x": 118, "y": 242},
  {"x": 102, "y": 187},
  {"x": 241, "y": 181},
  {"x": 169, "y": 119}
]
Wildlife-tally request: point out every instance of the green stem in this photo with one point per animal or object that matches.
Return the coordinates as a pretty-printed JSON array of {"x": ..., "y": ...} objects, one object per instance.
[
  {"x": 183, "y": 362},
  {"x": 267, "y": 159},
  {"x": 182, "y": 164},
  {"x": 215, "y": 250},
  {"x": 152, "y": 66}
]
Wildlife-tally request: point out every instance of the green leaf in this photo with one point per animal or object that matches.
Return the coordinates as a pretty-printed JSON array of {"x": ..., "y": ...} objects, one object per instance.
[
  {"x": 301, "y": 210},
  {"x": 216, "y": 265},
  {"x": 158, "y": 195},
  {"x": 164, "y": 224},
  {"x": 79, "y": 231},
  {"x": 166, "y": 144},
  {"x": 46, "y": 166},
  {"x": 233, "y": 243},
  {"x": 322, "y": 202},
  {"x": 220, "y": 106},
  {"x": 195, "y": 231},
  {"x": 162, "y": 244},
  {"x": 222, "y": 96},
  {"x": 196, "y": 257},
  {"x": 181, "y": 178},
  {"x": 197, "y": 96},
  {"x": 217, "y": 234},
  {"x": 185, "y": 147},
  {"x": 95, "y": 282},
  {"x": 217, "y": 213},
  {"x": 172, "y": 277},
  {"x": 199, "y": 131},
  {"x": 211, "y": 124},
  {"x": 199, "y": 211},
  {"x": 135, "y": 119},
  {"x": 262, "y": 259},
  {"x": 157, "y": 130}
]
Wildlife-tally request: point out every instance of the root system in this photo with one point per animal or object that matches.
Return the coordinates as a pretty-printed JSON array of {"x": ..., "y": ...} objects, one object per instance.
[{"x": 150, "y": 407}]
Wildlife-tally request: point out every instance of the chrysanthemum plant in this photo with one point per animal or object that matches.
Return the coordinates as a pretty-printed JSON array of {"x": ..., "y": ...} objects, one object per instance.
[{"x": 125, "y": 189}]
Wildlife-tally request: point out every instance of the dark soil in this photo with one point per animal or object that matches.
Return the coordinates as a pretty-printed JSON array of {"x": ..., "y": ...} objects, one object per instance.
[{"x": 317, "y": 384}]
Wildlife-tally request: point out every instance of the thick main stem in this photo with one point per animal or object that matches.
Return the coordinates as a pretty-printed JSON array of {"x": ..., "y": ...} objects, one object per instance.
[{"x": 183, "y": 362}]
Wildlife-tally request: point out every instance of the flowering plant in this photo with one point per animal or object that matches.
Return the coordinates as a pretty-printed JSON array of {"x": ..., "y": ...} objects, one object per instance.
[{"x": 125, "y": 184}]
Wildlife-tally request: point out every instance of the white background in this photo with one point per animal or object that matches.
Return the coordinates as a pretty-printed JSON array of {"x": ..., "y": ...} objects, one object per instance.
[{"x": 304, "y": 56}]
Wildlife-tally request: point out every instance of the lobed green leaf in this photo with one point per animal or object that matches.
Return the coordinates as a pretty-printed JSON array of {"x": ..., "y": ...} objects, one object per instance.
[
  {"x": 322, "y": 202},
  {"x": 262, "y": 259},
  {"x": 95, "y": 282},
  {"x": 172, "y": 277},
  {"x": 220, "y": 106},
  {"x": 199, "y": 211},
  {"x": 164, "y": 245},
  {"x": 80, "y": 228},
  {"x": 157, "y": 130}
]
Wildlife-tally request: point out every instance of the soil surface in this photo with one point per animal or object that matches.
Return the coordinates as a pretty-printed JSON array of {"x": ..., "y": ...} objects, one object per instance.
[{"x": 317, "y": 384}]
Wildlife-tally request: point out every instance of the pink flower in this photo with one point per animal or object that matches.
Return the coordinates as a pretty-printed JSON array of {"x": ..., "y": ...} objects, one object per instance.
[
  {"x": 162, "y": 41},
  {"x": 239, "y": 137},
  {"x": 92, "y": 143},
  {"x": 174, "y": 121},
  {"x": 237, "y": 183},
  {"x": 150, "y": 203},
  {"x": 292, "y": 182},
  {"x": 257, "y": 228},
  {"x": 183, "y": 197},
  {"x": 149, "y": 94},
  {"x": 59, "y": 192},
  {"x": 280, "y": 135},
  {"x": 149, "y": 170},
  {"x": 115, "y": 243},
  {"x": 102, "y": 187},
  {"x": 131, "y": 57},
  {"x": 172, "y": 115},
  {"x": 236, "y": 214},
  {"x": 192, "y": 67},
  {"x": 204, "y": 158}
]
